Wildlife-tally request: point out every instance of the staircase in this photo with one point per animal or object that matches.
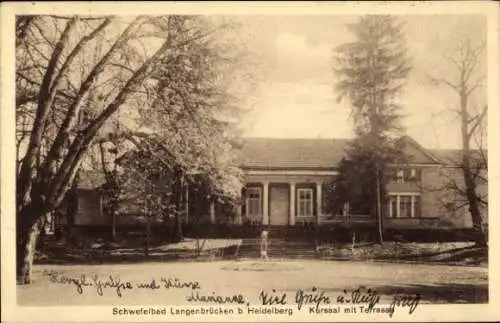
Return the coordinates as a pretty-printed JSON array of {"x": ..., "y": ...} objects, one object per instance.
[{"x": 278, "y": 248}]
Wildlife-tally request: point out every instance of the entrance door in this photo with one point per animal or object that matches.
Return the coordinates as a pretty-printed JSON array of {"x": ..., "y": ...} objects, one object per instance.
[{"x": 279, "y": 205}]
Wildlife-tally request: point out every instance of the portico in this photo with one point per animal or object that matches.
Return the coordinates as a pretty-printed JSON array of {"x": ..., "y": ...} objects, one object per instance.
[{"x": 280, "y": 198}]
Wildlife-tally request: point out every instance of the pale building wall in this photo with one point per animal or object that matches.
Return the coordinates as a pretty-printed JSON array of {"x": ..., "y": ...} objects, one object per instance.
[{"x": 447, "y": 204}]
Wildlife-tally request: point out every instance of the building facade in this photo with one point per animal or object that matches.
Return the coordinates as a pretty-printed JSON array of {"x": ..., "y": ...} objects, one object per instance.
[{"x": 285, "y": 185}]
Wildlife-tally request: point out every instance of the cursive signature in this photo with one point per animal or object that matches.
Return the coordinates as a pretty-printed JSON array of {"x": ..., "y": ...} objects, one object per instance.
[
  {"x": 360, "y": 295},
  {"x": 218, "y": 299},
  {"x": 401, "y": 300},
  {"x": 58, "y": 278},
  {"x": 273, "y": 298},
  {"x": 314, "y": 297},
  {"x": 83, "y": 281},
  {"x": 111, "y": 282},
  {"x": 176, "y": 283}
]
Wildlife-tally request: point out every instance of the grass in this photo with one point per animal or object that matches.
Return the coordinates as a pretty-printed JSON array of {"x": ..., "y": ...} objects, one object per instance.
[
  {"x": 263, "y": 266},
  {"x": 128, "y": 250},
  {"x": 203, "y": 249},
  {"x": 460, "y": 253}
]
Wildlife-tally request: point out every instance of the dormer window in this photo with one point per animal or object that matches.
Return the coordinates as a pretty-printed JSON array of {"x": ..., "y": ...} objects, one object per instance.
[
  {"x": 400, "y": 176},
  {"x": 405, "y": 175}
]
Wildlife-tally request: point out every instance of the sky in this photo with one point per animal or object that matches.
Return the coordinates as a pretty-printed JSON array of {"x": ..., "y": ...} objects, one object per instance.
[{"x": 295, "y": 96}]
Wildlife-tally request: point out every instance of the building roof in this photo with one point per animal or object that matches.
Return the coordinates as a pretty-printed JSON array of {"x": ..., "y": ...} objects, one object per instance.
[
  {"x": 290, "y": 153},
  {"x": 300, "y": 153},
  {"x": 280, "y": 153},
  {"x": 453, "y": 157},
  {"x": 91, "y": 179}
]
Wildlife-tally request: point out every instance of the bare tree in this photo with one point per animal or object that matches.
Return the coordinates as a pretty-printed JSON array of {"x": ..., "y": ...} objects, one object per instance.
[
  {"x": 75, "y": 73},
  {"x": 465, "y": 61}
]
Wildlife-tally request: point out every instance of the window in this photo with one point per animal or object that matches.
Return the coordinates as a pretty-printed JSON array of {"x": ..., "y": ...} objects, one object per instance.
[
  {"x": 305, "y": 202},
  {"x": 407, "y": 175},
  {"x": 253, "y": 201},
  {"x": 400, "y": 177},
  {"x": 403, "y": 206},
  {"x": 415, "y": 175}
]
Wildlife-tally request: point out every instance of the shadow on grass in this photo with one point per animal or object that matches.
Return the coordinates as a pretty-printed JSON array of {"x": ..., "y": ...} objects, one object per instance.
[
  {"x": 63, "y": 256},
  {"x": 472, "y": 254}
]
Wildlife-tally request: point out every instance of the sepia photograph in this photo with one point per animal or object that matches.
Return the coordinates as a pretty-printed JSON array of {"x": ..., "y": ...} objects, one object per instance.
[{"x": 228, "y": 165}]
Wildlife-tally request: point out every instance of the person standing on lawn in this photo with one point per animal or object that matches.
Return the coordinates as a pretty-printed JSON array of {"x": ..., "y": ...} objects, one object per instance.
[{"x": 264, "y": 244}]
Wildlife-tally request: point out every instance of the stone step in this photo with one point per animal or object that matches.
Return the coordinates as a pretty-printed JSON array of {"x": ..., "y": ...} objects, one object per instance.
[
  {"x": 279, "y": 248},
  {"x": 281, "y": 245},
  {"x": 278, "y": 240},
  {"x": 279, "y": 253},
  {"x": 278, "y": 257},
  {"x": 276, "y": 248}
]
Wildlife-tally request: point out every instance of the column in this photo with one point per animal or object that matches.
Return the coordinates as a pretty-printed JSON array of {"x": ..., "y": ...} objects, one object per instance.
[
  {"x": 291, "y": 220},
  {"x": 319, "y": 192},
  {"x": 237, "y": 211},
  {"x": 212, "y": 211},
  {"x": 265, "y": 204},
  {"x": 398, "y": 201},
  {"x": 412, "y": 206}
]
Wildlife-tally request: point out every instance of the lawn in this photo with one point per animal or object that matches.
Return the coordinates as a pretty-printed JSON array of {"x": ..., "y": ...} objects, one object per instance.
[
  {"x": 63, "y": 253},
  {"x": 458, "y": 253}
]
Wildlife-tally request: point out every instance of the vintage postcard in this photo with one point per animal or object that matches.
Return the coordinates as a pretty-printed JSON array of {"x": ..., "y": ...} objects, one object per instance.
[{"x": 258, "y": 161}]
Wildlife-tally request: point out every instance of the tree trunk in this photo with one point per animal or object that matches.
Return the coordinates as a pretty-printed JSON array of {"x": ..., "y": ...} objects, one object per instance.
[
  {"x": 180, "y": 235},
  {"x": 178, "y": 193},
  {"x": 71, "y": 210},
  {"x": 477, "y": 220},
  {"x": 28, "y": 238},
  {"x": 113, "y": 225},
  {"x": 177, "y": 227},
  {"x": 379, "y": 212},
  {"x": 470, "y": 184},
  {"x": 148, "y": 235}
]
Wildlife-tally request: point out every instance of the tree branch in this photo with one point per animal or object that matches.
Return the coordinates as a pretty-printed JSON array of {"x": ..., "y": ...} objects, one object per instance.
[
  {"x": 479, "y": 119},
  {"x": 103, "y": 163},
  {"x": 130, "y": 136},
  {"x": 44, "y": 103},
  {"x": 437, "y": 81},
  {"x": 72, "y": 113},
  {"x": 40, "y": 31},
  {"x": 91, "y": 130},
  {"x": 474, "y": 86},
  {"x": 76, "y": 50}
]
